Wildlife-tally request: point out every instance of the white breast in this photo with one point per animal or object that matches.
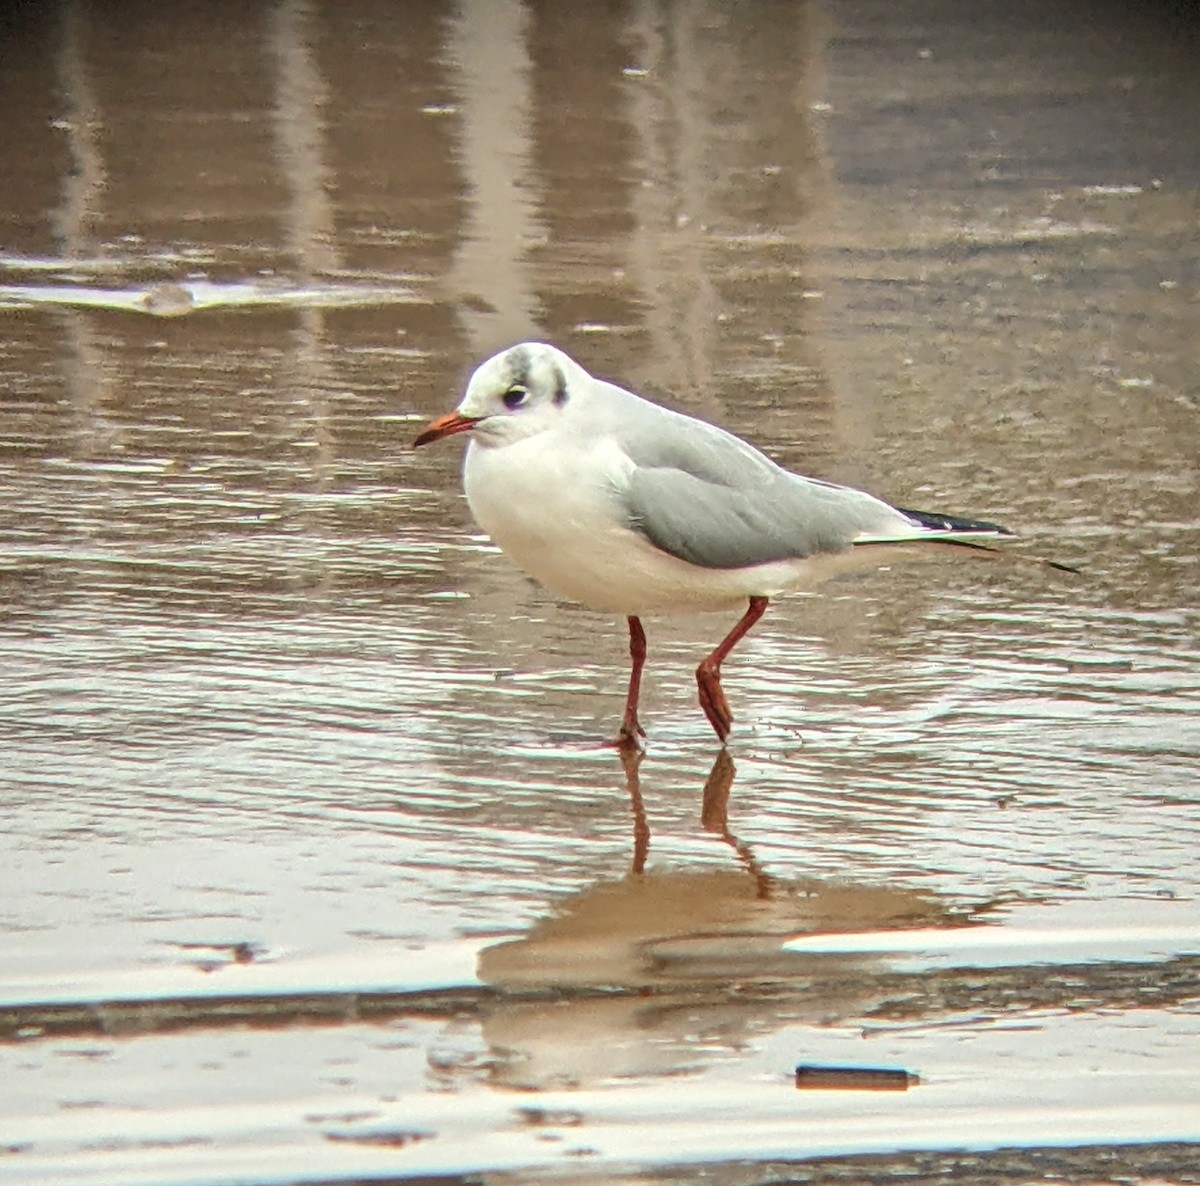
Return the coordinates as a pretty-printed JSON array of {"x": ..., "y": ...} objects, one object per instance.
[{"x": 560, "y": 517}]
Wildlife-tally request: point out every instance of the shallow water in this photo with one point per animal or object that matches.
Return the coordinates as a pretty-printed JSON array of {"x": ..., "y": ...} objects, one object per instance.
[{"x": 313, "y": 869}]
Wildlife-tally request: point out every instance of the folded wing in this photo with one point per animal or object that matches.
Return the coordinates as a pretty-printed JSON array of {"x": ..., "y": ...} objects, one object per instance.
[{"x": 707, "y": 497}]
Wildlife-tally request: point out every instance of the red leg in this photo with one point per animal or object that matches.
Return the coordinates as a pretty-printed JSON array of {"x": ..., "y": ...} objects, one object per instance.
[
  {"x": 708, "y": 674},
  {"x": 631, "y": 729}
]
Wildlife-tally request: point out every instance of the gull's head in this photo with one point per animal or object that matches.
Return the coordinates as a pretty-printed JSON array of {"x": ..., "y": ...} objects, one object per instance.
[{"x": 517, "y": 393}]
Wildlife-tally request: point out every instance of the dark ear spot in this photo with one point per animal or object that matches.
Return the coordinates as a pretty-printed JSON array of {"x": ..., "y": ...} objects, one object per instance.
[
  {"x": 518, "y": 366},
  {"x": 560, "y": 387}
]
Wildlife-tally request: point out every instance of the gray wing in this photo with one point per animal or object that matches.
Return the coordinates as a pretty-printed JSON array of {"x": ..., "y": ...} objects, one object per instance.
[{"x": 707, "y": 497}]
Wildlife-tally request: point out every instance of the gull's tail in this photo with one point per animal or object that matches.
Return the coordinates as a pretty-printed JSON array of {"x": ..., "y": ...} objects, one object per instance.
[{"x": 954, "y": 531}]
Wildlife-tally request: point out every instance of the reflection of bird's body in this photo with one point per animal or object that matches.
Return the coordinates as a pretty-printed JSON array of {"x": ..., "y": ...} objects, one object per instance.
[{"x": 627, "y": 507}]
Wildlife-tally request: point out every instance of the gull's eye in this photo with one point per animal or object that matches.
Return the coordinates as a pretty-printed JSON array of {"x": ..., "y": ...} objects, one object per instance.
[{"x": 514, "y": 397}]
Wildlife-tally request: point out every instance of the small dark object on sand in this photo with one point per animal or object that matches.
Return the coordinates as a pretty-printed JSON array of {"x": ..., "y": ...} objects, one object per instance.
[{"x": 855, "y": 1078}]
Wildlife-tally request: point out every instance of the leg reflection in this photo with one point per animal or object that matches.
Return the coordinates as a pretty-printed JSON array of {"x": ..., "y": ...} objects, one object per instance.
[
  {"x": 631, "y": 759},
  {"x": 714, "y": 814},
  {"x": 714, "y": 817}
]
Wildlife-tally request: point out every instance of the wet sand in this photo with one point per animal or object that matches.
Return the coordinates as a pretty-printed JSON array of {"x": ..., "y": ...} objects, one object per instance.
[{"x": 313, "y": 870}]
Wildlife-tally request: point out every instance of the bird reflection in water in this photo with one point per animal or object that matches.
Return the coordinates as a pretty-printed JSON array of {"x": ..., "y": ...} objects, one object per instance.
[
  {"x": 714, "y": 814},
  {"x": 633, "y": 975},
  {"x": 671, "y": 908}
]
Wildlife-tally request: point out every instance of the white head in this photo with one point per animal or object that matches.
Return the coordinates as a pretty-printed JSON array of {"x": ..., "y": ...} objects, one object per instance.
[{"x": 517, "y": 393}]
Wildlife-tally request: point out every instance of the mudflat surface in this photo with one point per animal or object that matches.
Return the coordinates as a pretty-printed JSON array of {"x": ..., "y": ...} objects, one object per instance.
[{"x": 311, "y": 867}]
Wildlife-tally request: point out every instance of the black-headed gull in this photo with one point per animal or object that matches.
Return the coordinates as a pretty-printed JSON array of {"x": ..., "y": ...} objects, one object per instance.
[{"x": 627, "y": 507}]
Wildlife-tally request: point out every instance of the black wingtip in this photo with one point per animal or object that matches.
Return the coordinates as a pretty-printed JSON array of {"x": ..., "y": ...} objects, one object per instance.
[{"x": 936, "y": 522}]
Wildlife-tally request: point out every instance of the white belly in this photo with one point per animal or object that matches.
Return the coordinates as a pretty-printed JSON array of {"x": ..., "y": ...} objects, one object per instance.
[{"x": 571, "y": 534}]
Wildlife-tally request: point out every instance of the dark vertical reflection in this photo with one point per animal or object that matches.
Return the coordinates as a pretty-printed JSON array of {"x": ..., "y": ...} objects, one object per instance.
[
  {"x": 490, "y": 280},
  {"x": 731, "y": 176},
  {"x": 188, "y": 142},
  {"x": 393, "y": 123},
  {"x": 584, "y": 154},
  {"x": 680, "y": 183},
  {"x": 300, "y": 141},
  {"x": 86, "y": 369},
  {"x": 35, "y": 121},
  {"x": 301, "y": 151},
  {"x": 75, "y": 217}
]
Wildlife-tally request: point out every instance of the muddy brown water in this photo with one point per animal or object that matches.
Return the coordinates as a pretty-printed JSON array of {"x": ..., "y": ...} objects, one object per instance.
[{"x": 311, "y": 869}]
